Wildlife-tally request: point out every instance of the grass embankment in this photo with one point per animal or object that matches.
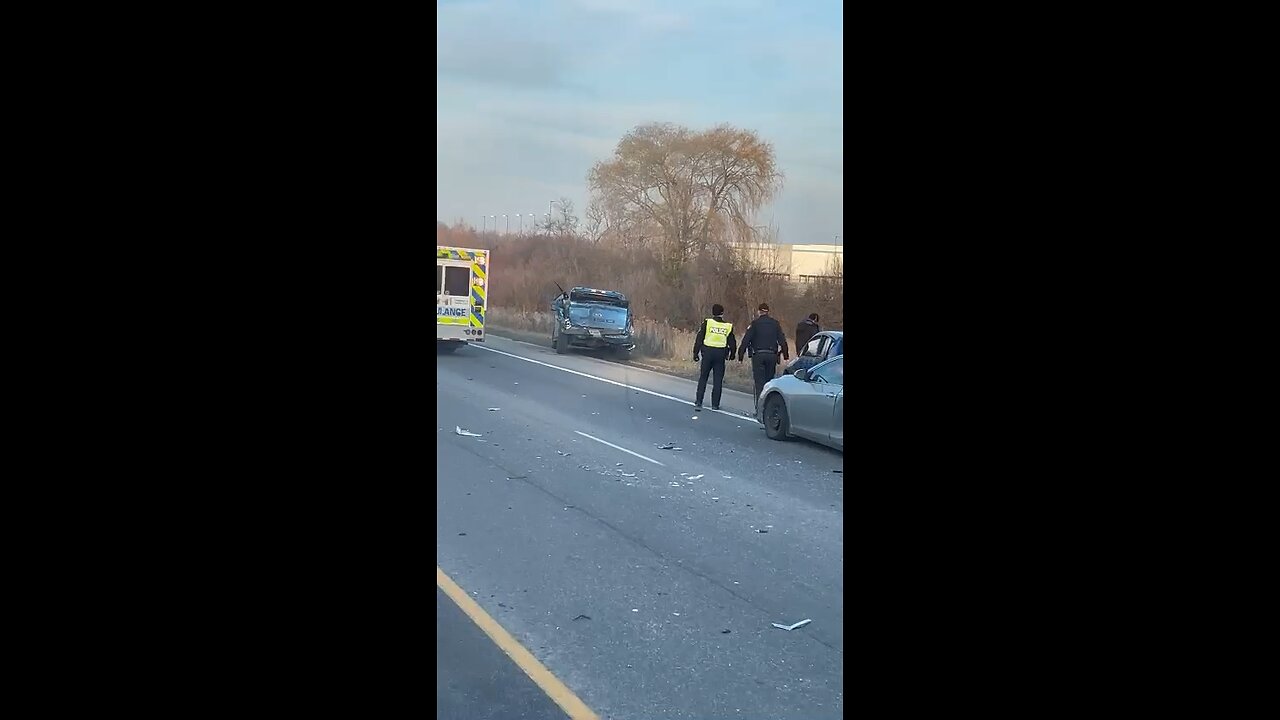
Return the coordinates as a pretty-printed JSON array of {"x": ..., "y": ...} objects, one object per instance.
[{"x": 658, "y": 347}]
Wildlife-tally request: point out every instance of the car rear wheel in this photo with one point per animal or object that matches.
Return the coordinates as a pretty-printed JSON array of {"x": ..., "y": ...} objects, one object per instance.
[
  {"x": 562, "y": 344},
  {"x": 777, "y": 424}
]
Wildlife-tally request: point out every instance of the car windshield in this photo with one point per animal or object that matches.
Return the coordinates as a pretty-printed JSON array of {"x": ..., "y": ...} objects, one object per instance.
[{"x": 597, "y": 314}]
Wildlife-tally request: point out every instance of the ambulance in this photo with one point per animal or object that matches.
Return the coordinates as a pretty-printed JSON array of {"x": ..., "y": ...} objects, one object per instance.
[{"x": 462, "y": 287}]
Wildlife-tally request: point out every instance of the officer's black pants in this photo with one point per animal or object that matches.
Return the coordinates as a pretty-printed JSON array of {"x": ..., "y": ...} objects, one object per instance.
[
  {"x": 712, "y": 362},
  {"x": 763, "y": 367}
]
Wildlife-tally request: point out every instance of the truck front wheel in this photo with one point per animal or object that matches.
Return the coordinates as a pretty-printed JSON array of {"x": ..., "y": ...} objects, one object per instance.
[{"x": 562, "y": 344}]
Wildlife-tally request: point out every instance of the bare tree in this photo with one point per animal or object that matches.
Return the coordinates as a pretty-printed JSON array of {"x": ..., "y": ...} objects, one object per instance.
[
  {"x": 694, "y": 187},
  {"x": 597, "y": 222},
  {"x": 562, "y": 221}
]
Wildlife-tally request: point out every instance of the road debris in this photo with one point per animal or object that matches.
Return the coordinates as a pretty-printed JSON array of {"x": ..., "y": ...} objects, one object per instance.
[
  {"x": 561, "y": 452},
  {"x": 715, "y": 498},
  {"x": 494, "y": 409},
  {"x": 665, "y": 446},
  {"x": 838, "y": 472},
  {"x": 465, "y": 433},
  {"x": 676, "y": 614},
  {"x": 627, "y": 474},
  {"x": 677, "y": 448},
  {"x": 789, "y": 628},
  {"x": 695, "y": 477},
  {"x": 762, "y": 530},
  {"x": 461, "y": 533},
  {"x": 635, "y": 609},
  {"x": 617, "y": 464},
  {"x": 583, "y": 617}
]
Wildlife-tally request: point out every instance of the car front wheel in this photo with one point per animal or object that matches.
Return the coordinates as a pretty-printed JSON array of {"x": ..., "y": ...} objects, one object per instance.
[{"x": 777, "y": 425}]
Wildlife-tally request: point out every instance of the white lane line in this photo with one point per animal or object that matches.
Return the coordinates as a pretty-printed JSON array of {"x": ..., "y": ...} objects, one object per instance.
[
  {"x": 618, "y": 447},
  {"x": 736, "y": 416}
]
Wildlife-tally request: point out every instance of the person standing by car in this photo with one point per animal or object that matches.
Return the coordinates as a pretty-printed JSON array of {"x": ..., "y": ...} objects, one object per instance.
[
  {"x": 805, "y": 331},
  {"x": 763, "y": 338},
  {"x": 714, "y": 343}
]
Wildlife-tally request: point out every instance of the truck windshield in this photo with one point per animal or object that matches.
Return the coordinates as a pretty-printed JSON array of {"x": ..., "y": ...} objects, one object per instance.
[{"x": 598, "y": 314}]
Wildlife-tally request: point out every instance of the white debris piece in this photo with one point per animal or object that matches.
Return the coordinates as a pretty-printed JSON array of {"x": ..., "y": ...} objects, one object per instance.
[
  {"x": 695, "y": 477},
  {"x": 465, "y": 433},
  {"x": 494, "y": 409},
  {"x": 627, "y": 474},
  {"x": 788, "y": 628}
]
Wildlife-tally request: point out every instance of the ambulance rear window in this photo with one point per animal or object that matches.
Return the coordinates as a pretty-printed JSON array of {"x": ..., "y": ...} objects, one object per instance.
[{"x": 457, "y": 281}]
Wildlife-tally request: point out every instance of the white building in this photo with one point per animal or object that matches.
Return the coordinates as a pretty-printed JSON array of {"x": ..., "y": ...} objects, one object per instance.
[{"x": 800, "y": 263}]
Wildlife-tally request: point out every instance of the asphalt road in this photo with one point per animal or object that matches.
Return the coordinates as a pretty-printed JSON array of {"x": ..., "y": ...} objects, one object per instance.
[
  {"x": 487, "y": 685},
  {"x": 646, "y": 588}
]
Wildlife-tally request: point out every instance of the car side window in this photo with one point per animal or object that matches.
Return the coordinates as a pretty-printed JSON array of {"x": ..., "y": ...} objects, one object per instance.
[
  {"x": 813, "y": 349},
  {"x": 832, "y": 372}
]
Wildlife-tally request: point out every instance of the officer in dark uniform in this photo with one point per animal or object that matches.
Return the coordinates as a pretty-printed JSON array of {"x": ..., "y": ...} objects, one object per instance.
[
  {"x": 762, "y": 340},
  {"x": 714, "y": 343}
]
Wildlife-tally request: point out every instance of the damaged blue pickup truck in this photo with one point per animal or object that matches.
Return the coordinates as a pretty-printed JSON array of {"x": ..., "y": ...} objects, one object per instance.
[{"x": 588, "y": 318}]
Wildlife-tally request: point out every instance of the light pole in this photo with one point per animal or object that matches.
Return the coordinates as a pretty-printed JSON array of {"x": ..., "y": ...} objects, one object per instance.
[
  {"x": 494, "y": 218},
  {"x": 508, "y": 221},
  {"x": 548, "y": 216},
  {"x": 519, "y": 224}
]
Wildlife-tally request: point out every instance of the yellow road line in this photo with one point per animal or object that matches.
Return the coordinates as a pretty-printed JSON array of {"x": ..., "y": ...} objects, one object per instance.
[{"x": 537, "y": 672}]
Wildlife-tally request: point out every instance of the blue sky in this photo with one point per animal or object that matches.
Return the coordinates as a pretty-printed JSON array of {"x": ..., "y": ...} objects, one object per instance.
[{"x": 531, "y": 93}]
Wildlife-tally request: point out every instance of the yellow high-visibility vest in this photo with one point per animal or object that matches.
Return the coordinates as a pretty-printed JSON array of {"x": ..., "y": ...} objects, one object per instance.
[{"x": 717, "y": 333}]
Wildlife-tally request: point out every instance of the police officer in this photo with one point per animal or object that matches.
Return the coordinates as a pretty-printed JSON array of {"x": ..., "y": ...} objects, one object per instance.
[
  {"x": 763, "y": 338},
  {"x": 715, "y": 343}
]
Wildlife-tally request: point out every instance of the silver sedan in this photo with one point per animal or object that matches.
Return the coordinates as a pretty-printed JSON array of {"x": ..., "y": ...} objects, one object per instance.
[{"x": 808, "y": 403}]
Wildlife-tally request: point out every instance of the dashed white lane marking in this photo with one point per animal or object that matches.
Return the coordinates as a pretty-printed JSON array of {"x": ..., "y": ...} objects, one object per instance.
[
  {"x": 736, "y": 416},
  {"x": 618, "y": 447}
]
